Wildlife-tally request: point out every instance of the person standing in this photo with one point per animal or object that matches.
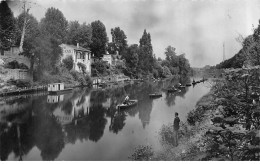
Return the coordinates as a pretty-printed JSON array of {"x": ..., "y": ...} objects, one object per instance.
[{"x": 176, "y": 125}]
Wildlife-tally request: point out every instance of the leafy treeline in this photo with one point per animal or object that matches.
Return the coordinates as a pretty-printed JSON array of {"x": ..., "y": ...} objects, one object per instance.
[
  {"x": 248, "y": 55},
  {"x": 42, "y": 39}
]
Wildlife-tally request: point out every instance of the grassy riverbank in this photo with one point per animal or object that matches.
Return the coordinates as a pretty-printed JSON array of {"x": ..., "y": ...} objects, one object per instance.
[{"x": 224, "y": 125}]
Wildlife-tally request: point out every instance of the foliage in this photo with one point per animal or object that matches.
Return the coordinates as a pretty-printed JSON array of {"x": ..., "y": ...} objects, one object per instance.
[
  {"x": 7, "y": 26},
  {"x": 15, "y": 65},
  {"x": 176, "y": 64},
  {"x": 68, "y": 62},
  {"x": 145, "y": 53},
  {"x": 20, "y": 83},
  {"x": 99, "y": 38},
  {"x": 54, "y": 24},
  {"x": 82, "y": 67},
  {"x": 166, "y": 72},
  {"x": 99, "y": 68},
  {"x": 119, "y": 40},
  {"x": 234, "y": 132},
  {"x": 32, "y": 33},
  {"x": 79, "y": 33},
  {"x": 142, "y": 153}
]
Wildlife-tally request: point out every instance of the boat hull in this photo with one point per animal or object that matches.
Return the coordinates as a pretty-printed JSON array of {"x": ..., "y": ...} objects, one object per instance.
[
  {"x": 155, "y": 95},
  {"x": 126, "y": 106},
  {"x": 60, "y": 91}
]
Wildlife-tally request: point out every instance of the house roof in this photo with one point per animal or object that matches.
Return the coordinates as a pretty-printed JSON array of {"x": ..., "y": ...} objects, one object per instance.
[{"x": 76, "y": 48}]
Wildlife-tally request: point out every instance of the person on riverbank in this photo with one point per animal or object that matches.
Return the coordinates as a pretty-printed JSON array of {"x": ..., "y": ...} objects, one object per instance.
[{"x": 176, "y": 125}]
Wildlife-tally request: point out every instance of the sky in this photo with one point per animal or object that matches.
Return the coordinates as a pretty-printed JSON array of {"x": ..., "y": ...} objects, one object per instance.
[{"x": 198, "y": 28}]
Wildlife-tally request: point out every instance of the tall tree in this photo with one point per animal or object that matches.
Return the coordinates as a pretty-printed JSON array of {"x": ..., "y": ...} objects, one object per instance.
[
  {"x": 54, "y": 24},
  {"x": 99, "y": 38},
  {"x": 31, "y": 33},
  {"x": 79, "y": 33},
  {"x": 131, "y": 60},
  {"x": 119, "y": 39},
  {"x": 145, "y": 53},
  {"x": 7, "y": 26},
  {"x": 54, "y": 28}
]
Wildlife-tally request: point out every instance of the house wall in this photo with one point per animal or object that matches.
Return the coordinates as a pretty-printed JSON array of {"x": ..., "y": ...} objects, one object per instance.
[
  {"x": 108, "y": 59},
  {"x": 13, "y": 54},
  {"x": 84, "y": 58},
  {"x": 55, "y": 87}
]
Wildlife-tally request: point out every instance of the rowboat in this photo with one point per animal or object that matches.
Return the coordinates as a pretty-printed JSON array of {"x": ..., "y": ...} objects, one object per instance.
[
  {"x": 155, "y": 95},
  {"x": 130, "y": 103}
]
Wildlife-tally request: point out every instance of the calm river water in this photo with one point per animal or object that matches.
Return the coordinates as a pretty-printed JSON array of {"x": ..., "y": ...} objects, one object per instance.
[{"x": 85, "y": 124}]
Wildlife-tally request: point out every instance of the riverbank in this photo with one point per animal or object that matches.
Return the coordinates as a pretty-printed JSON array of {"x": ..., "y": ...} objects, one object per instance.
[{"x": 224, "y": 124}]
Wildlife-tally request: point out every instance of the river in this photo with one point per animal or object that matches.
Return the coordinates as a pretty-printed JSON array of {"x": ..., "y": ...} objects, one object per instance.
[{"x": 85, "y": 124}]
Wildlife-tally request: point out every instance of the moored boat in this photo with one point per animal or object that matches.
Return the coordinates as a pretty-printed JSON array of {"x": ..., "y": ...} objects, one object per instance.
[
  {"x": 188, "y": 85},
  {"x": 130, "y": 103},
  {"x": 57, "y": 88},
  {"x": 155, "y": 95},
  {"x": 172, "y": 90}
]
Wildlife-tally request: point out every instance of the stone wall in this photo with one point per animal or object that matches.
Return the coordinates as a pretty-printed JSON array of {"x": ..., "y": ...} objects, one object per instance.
[{"x": 6, "y": 74}]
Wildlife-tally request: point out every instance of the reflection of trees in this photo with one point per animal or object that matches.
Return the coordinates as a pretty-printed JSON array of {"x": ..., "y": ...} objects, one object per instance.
[
  {"x": 80, "y": 131},
  {"x": 97, "y": 122},
  {"x": 117, "y": 121},
  {"x": 48, "y": 136},
  {"x": 67, "y": 107}
]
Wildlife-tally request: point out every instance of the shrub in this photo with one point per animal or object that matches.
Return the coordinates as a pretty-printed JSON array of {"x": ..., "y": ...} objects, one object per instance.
[{"x": 68, "y": 62}]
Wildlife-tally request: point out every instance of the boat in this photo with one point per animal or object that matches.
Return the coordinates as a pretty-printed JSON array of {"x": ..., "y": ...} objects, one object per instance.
[
  {"x": 181, "y": 87},
  {"x": 131, "y": 103},
  {"x": 188, "y": 85},
  {"x": 155, "y": 95},
  {"x": 57, "y": 88},
  {"x": 193, "y": 83},
  {"x": 172, "y": 90}
]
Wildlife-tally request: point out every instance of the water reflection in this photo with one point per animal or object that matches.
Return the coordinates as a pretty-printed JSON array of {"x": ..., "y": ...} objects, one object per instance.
[{"x": 49, "y": 122}]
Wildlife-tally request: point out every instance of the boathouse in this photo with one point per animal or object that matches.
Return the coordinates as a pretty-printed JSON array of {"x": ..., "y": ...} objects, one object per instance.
[{"x": 55, "y": 87}]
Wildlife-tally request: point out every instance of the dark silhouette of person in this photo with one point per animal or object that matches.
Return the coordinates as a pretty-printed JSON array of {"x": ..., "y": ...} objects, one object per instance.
[{"x": 176, "y": 125}]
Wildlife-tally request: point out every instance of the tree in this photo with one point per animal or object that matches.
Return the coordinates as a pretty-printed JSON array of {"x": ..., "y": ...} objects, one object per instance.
[
  {"x": 31, "y": 33},
  {"x": 145, "y": 53},
  {"x": 99, "y": 38},
  {"x": 119, "y": 39},
  {"x": 7, "y": 26},
  {"x": 79, "y": 33},
  {"x": 54, "y": 28},
  {"x": 54, "y": 24},
  {"x": 131, "y": 59}
]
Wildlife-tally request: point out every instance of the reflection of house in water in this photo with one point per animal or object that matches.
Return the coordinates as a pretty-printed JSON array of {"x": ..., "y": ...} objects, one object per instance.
[
  {"x": 107, "y": 104},
  {"x": 72, "y": 109},
  {"x": 62, "y": 117},
  {"x": 55, "y": 98}
]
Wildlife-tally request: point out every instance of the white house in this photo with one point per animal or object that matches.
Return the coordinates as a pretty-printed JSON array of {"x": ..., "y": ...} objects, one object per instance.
[{"x": 79, "y": 55}]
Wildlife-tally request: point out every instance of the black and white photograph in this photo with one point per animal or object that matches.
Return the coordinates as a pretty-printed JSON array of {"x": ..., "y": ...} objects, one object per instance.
[{"x": 129, "y": 80}]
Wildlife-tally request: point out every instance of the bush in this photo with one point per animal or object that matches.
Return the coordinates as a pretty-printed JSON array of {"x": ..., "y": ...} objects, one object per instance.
[
  {"x": 19, "y": 83},
  {"x": 68, "y": 62}
]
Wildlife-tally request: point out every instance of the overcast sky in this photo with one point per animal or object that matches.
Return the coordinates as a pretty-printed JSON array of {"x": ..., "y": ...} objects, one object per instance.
[{"x": 197, "y": 28}]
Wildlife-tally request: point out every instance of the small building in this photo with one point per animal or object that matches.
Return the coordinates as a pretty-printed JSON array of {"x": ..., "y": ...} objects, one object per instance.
[
  {"x": 112, "y": 59},
  {"x": 55, "y": 87},
  {"x": 79, "y": 55}
]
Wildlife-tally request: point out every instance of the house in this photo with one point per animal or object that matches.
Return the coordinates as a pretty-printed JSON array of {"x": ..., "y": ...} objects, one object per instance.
[
  {"x": 79, "y": 55},
  {"x": 112, "y": 59}
]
